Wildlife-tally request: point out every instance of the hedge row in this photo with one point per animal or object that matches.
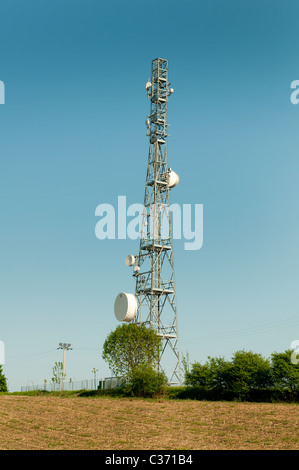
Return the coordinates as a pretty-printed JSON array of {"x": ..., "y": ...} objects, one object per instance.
[
  {"x": 247, "y": 377},
  {"x": 254, "y": 395}
]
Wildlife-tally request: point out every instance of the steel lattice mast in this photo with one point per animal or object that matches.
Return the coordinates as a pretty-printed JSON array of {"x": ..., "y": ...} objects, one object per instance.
[
  {"x": 154, "y": 302},
  {"x": 155, "y": 282}
]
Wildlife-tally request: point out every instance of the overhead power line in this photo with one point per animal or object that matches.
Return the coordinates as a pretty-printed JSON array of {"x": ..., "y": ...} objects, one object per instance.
[{"x": 270, "y": 326}]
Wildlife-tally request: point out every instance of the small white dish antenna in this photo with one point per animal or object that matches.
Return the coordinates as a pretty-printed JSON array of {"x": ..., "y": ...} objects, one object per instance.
[
  {"x": 148, "y": 85},
  {"x": 130, "y": 260}
]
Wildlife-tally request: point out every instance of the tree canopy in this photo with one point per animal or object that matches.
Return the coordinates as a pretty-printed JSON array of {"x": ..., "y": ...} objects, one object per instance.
[
  {"x": 285, "y": 372},
  {"x": 245, "y": 376},
  {"x": 129, "y": 346}
]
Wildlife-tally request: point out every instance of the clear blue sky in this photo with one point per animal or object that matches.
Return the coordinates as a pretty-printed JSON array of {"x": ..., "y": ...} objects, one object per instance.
[{"x": 72, "y": 136}]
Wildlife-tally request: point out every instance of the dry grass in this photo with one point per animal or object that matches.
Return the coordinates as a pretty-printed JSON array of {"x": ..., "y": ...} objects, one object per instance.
[{"x": 75, "y": 423}]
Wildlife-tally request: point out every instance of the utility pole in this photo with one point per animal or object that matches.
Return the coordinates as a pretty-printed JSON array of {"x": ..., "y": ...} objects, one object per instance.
[
  {"x": 94, "y": 371},
  {"x": 65, "y": 347}
]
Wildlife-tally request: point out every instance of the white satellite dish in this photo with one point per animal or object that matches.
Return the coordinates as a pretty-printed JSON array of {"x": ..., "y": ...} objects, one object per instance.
[
  {"x": 173, "y": 178},
  {"x": 125, "y": 307},
  {"x": 130, "y": 260}
]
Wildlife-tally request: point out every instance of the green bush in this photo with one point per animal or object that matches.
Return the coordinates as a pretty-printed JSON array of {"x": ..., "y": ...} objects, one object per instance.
[
  {"x": 285, "y": 373},
  {"x": 145, "y": 382},
  {"x": 248, "y": 371}
]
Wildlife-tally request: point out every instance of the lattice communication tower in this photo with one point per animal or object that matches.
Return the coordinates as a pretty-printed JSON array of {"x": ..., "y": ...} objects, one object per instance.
[{"x": 154, "y": 301}]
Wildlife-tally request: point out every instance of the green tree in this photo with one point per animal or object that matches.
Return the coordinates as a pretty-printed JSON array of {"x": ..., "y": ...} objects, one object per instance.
[
  {"x": 211, "y": 379},
  {"x": 219, "y": 373},
  {"x": 199, "y": 376},
  {"x": 3, "y": 381},
  {"x": 285, "y": 373},
  {"x": 57, "y": 374},
  {"x": 129, "y": 346},
  {"x": 248, "y": 371},
  {"x": 219, "y": 378}
]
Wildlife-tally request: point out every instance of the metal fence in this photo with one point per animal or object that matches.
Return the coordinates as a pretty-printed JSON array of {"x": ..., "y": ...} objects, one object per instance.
[{"x": 91, "y": 384}]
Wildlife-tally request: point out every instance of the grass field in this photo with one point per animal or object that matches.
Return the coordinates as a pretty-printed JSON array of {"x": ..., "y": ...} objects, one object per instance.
[{"x": 74, "y": 423}]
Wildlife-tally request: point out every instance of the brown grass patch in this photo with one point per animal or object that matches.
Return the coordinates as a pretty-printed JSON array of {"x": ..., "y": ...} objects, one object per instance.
[{"x": 29, "y": 422}]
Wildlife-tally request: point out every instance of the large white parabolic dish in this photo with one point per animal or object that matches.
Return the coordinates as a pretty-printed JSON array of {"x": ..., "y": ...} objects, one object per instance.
[{"x": 125, "y": 307}]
